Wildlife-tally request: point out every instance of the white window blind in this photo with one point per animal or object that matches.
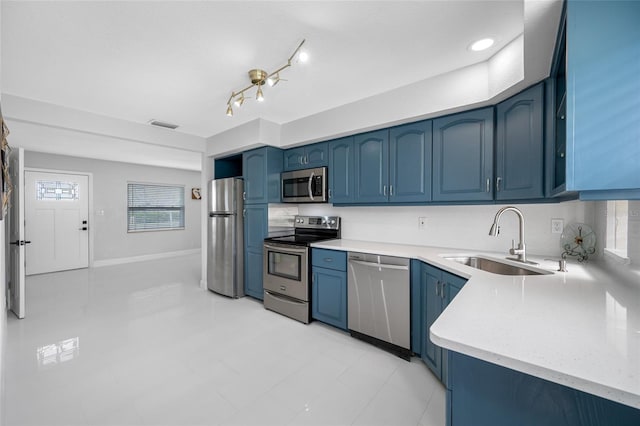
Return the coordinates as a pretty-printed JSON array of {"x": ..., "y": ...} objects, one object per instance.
[{"x": 154, "y": 207}]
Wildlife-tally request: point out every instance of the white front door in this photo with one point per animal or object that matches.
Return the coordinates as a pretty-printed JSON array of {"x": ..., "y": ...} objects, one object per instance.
[
  {"x": 57, "y": 221},
  {"x": 16, "y": 234}
]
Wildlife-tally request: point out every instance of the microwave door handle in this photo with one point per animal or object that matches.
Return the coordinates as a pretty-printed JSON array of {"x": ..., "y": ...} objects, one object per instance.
[{"x": 311, "y": 186}]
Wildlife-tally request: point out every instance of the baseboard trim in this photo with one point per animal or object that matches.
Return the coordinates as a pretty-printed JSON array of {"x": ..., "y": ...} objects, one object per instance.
[{"x": 143, "y": 258}]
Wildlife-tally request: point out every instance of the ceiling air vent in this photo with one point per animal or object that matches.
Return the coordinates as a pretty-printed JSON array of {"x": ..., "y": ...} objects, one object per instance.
[{"x": 163, "y": 124}]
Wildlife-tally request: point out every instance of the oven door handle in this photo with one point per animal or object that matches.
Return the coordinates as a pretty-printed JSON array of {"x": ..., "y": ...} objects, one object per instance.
[
  {"x": 310, "y": 186},
  {"x": 285, "y": 249}
]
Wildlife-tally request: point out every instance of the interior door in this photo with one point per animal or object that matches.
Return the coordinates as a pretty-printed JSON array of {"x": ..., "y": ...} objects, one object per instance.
[
  {"x": 57, "y": 221},
  {"x": 16, "y": 235}
]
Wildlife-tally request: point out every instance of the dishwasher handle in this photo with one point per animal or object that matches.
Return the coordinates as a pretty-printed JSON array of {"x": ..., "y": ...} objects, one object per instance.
[{"x": 380, "y": 265}]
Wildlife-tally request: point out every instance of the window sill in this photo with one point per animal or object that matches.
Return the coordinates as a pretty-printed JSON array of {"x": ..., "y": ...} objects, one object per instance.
[{"x": 616, "y": 256}]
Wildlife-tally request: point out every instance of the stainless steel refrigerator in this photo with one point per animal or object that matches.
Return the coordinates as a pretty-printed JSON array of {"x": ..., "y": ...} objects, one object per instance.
[{"x": 225, "y": 237}]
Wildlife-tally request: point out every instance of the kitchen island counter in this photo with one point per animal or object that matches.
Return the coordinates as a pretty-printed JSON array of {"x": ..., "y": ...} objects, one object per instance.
[{"x": 579, "y": 328}]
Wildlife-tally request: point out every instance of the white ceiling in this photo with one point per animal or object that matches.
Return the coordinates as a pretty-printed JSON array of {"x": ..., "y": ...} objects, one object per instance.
[{"x": 179, "y": 61}]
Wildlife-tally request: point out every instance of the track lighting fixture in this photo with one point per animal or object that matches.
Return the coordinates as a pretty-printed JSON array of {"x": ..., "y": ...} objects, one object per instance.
[{"x": 259, "y": 77}]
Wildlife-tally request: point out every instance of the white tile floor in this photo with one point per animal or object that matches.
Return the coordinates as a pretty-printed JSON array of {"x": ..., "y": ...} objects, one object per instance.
[{"x": 142, "y": 344}]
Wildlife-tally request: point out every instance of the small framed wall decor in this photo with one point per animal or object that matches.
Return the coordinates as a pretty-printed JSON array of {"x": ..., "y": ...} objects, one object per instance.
[{"x": 195, "y": 194}]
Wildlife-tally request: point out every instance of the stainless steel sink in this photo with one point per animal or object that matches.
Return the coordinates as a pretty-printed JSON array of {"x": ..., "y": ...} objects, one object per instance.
[{"x": 496, "y": 266}]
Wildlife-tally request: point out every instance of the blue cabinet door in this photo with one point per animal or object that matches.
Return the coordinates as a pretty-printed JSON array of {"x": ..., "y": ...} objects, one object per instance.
[
  {"x": 294, "y": 158},
  {"x": 416, "y": 308},
  {"x": 255, "y": 231},
  {"x": 261, "y": 170},
  {"x": 482, "y": 393},
  {"x": 603, "y": 95},
  {"x": 255, "y": 225},
  {"x": 329, "y": 297},
  {"x": 371, "y": 167},
  {"x": 306, "y": 157},
  {"x": 254, "y": 170},
  {"x": 253, "y": 274},
  {"x": 452, "y": 284},
  {"x": 410, "y": 148},
  {"x": 520, "y": 146},
  {"x": 317, "y": 155},
  {"x": 463, "y": 156},
  {"x": 437, "y": 289},
  {"x": 341, "y": 178},
  {"x": 430, "y": 278}
]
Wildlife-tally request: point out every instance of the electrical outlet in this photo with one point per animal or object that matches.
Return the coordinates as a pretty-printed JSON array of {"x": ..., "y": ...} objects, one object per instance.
[
  {"x": 557, "y": 225},
  {"x": 422, "y": 222}
]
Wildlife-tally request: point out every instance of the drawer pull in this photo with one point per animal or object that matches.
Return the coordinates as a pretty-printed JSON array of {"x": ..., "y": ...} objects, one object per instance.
[{"x": 328, "y": 259}]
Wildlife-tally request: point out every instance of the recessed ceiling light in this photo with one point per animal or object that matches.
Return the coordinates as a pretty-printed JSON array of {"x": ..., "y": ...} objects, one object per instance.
[{"x": 483, "y": 44}]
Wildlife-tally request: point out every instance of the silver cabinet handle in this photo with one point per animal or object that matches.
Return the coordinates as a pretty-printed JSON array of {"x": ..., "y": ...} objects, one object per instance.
[
  {"x": 498, "y": 180},
  {"x": 244, "y": 195},
  {"x": 301, "y": 159},
  {"x": 384, "y": 190},
  {"x": 390, "y": 190},
  {"x": 380, "y": 265},
  {"x": 330, "y": 193},
  {"x": 488, "y": 185},
  {"x": 442, "y": 288},
  {"x": 306, "y": 159}
]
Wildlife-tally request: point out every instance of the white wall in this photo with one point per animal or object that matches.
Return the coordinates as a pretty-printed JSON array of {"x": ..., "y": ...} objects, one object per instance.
[
  {"x": 43, "y": 127},
  {"x": 3, "y": 286},
  {"x": 465, "y": 227},
  {"x": 111, "y": 240}
]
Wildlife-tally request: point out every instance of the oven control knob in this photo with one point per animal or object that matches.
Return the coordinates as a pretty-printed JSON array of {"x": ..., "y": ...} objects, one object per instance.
[{"x": 332, "y": 222}]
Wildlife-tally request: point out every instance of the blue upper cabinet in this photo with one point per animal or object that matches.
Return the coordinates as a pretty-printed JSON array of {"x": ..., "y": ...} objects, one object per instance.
[
  {"x": 306, "y": 157},
  {"x": 603, "y": 95},
  {"x": 393, "y": 165},
  {"x": 520, "y": 146},
  {"x": 463, "y": 156},
  {"x": 410, "y": 148},
  {"x": 341, "y": 171},
  {"x": 293, "y": 158},
  {"x": 371, "y": 168},
  {"x": 261, "y": 170}
]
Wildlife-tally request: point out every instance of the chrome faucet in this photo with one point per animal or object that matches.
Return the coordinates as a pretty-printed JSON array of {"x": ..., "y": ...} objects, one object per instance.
[{"x": 521, "y": 251}]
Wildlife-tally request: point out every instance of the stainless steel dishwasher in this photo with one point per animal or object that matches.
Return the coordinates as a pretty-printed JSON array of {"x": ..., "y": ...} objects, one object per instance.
[{"x": 379, "y": 301}]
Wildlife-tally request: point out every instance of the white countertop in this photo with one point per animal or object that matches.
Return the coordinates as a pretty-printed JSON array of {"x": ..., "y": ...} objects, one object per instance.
[{"x": 579, "y": 328}]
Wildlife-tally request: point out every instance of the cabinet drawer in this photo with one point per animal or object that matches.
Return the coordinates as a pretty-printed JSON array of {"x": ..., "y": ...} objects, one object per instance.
[{"x": 332, "y": 259}]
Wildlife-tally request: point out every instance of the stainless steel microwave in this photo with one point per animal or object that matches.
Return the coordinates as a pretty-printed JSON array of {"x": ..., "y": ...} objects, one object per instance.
[{"x": 305, "y": 186}]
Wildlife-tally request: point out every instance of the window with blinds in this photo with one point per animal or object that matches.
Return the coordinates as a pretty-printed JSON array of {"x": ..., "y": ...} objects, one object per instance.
[{"x": 154, "y": 207}]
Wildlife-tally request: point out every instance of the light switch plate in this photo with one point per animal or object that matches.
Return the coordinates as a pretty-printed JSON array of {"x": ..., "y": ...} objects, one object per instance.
[{"x": 557, "y": 225}]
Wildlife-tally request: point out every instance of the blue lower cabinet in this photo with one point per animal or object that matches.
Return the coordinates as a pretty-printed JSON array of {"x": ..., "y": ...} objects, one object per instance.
[
  {"x": 437, "y": 289},
  {"x": 253, "y": 274},
  {"x": 480, "y": 393},
  {"x": 329, "y": 287},
  {"x": 329, "y": 297},
  {"x": 255, "y": 231}
]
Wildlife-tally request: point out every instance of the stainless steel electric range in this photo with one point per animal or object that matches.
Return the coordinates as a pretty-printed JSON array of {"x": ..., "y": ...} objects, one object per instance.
[{"x": 287, "y": 265}]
